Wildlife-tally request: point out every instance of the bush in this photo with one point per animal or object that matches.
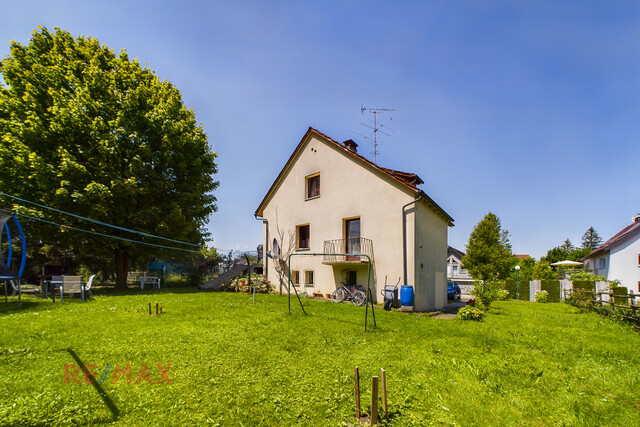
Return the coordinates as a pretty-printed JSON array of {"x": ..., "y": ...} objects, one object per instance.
[
  {"x": 470, "y": 313},
  {"x": 258, "y": 281},
  {"x": 487, "y": 291},
  {"x": 542, "y": 296},
  {"x": 503, "y": 295}
]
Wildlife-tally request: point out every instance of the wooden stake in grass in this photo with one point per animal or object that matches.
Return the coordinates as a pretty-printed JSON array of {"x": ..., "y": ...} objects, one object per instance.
[
  {"x": 156, "y": 309},
  {"x": 149, "y": 309},
  {"x": 383, "y": 379},
  {"x": 374, "y": 401},
  {"x": 357, "y": 393}
]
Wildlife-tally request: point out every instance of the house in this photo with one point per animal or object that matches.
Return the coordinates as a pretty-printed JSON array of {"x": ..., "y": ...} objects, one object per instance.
[
  {"x": 330, "y": 200},
  {"x": 456, "y": 273},
  {"x": 619, "y": 257}
]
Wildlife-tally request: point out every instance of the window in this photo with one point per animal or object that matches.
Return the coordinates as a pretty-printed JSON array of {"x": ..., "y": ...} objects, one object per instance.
[
  {"x": 601, "y": 263},
  {"x": 303, "y": 236},
  {"x": 308, "y": 278},
  {"x": 313, "y": 186},
  {"x": 295, "y": 277},
  {"x": 276, "y": 248},
  {"x": 638, "y": 260},
  {"x": 351, "y": 277},
  {"x": 455, "y": 271}
]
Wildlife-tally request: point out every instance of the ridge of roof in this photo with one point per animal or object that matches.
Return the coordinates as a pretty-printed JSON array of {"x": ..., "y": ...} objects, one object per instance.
[
  {"x": 622, "y": 234},
  {"x": 406, "y": 179},
  {"x": 458, "y": 252}
]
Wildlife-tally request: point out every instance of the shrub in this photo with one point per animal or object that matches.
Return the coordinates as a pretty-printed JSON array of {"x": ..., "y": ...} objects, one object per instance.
[
  {"x": 258, "y": 281},
  {"x": 470, "y": 313},
  {"x": 487, "y": 291},
  {"x": 542, "y": 296},
  {"x": 503, "y": 295}
]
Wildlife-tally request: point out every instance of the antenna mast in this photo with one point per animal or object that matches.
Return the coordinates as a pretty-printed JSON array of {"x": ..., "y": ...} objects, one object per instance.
[{"x": 376, "y": 128}]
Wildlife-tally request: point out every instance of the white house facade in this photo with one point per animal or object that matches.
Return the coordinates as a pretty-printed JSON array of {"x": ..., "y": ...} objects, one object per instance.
[
  {"x": 330, "y": 200},
  {"x": 619, "y": 257}
]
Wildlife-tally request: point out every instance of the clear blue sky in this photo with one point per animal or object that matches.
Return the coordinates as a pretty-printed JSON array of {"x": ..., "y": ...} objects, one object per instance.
[{"x": 530, "y": 110}]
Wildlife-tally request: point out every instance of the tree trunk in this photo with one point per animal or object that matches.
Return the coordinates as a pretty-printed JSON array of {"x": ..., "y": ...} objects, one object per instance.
[{"x": 122, "y": 268}]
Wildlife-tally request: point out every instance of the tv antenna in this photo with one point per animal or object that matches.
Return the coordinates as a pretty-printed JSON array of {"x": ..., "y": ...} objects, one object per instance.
[{"x": 376, "y": 128}]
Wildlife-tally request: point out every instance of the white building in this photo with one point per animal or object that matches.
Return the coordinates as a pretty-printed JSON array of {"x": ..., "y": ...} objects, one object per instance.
[
  {"x": 456, "y": 273},
  {"x": 619, "y": 257},
  {"x": 329, "y": 199}
]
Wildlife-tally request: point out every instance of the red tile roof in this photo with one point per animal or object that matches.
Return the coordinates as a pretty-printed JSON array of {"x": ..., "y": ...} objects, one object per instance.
[{"x": 622, "y": 234}]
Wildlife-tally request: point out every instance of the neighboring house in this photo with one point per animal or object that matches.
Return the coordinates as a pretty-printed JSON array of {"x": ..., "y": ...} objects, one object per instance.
[
  {"x": 329, "y": 199},
  {"x": 619, "y": 257},
  {"x": 456, "y": 273}
]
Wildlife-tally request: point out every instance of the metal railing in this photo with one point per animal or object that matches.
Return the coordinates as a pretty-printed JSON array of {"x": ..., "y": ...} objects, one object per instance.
[{"x": 340, "y": 247}]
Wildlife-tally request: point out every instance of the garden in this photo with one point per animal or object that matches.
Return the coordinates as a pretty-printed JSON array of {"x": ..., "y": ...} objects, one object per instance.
[{"x": 215, "y": 358}]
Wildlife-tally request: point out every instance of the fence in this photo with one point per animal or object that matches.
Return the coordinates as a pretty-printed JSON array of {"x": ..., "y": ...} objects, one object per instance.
[{"x": 607, "y": 302}]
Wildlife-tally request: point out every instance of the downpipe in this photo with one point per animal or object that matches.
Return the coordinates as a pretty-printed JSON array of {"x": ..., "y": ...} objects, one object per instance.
[{"x": 404, "y": 238}]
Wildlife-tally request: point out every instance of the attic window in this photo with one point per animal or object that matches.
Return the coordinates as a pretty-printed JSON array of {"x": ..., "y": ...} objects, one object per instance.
[{"x": 313, "y": 186}]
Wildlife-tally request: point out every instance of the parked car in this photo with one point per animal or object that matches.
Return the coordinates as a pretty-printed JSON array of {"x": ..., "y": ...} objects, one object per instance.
[{"x": 453, "y": 291}]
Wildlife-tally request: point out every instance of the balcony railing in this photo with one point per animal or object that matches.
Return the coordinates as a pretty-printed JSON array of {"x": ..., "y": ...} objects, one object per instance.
[{"x": 354, "y": 245}]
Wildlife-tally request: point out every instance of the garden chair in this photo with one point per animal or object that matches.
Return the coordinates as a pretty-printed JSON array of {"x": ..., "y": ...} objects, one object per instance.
[
  {"x": 149, "y": 280},
  {"x": 25, "y": 289},
  {"x": 87, "y": 287},
  {"x": 71, "y": 285}
]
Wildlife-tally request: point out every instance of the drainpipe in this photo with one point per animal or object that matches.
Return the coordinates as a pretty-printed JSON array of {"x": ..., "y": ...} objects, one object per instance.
[
  {"x": 266, "y": 246},
  {"x": 404, "y": 238}
]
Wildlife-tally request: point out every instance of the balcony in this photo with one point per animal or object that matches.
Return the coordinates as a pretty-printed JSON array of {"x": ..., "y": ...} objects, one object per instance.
[{"x": 335, "y": 251}]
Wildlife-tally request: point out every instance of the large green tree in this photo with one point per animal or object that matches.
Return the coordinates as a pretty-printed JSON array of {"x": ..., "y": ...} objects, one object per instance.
[
  {"x": 87, "y": 131},
  {"x": 489, "y": 251},
  {"x": 591, "y": 239}
]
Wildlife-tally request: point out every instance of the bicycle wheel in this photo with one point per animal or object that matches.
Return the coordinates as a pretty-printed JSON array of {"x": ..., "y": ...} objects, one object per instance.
[
  {"x": 359, "y": 298},
  {"x": 338, "y": 295}
]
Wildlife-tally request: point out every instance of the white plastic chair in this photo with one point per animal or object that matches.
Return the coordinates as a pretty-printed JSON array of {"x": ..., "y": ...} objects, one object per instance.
[
  {"x": 87, "y": 287},
  {"x": 149, "y": 280}
]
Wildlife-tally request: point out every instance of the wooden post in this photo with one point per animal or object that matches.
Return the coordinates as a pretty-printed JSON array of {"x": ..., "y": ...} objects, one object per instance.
[
  {"x": 383, "y": 379},
  {"x": 156, "y": 309},
  {"x": 374, "y": 401},
  {"x": 632, "y": 302},
  {"x": 149, "y": 309},
  {"x": 160, "y": 308},
  {"x": 357, "y": 394}
]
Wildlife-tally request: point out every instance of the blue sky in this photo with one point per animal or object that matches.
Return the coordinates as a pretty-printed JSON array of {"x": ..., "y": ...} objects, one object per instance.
[{"x": 530, "y": 110}]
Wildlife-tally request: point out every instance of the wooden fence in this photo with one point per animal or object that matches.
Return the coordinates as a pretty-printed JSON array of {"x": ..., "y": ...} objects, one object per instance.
[{"x": 607, "y": 302}]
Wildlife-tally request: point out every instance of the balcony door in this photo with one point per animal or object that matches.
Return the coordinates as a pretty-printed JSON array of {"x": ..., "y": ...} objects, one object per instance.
[{"x": 352, "y": 238}]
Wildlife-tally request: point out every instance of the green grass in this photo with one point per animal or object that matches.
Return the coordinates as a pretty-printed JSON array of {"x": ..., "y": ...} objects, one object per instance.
[{"x": 234, "y": 362}]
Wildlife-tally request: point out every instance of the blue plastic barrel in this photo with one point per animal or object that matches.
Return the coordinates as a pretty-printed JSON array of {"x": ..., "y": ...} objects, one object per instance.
[{"x": 406, "y": 295}]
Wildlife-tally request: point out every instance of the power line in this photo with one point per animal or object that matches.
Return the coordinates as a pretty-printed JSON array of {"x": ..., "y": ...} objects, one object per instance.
[
  {"x": 99, "y": 234},
  {"x": 98, "y": 222}
]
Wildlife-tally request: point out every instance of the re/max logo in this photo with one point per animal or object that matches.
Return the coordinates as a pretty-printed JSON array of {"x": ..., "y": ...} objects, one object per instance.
[{"x": 72, "y": 372}]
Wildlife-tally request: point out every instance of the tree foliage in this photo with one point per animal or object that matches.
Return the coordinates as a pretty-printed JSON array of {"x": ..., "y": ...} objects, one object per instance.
[
  {"x": 86, "y": 131},
  {"x": 543, "y": 271},
  {"x": 566, "y": 251},
  {"x": 489, "y": 251},
  {"x": 591, "y": 239},
  {"x": 525, "y": 274}
]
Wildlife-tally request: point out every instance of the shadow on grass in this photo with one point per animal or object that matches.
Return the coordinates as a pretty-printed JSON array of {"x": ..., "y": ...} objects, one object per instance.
[
  {"x": 103, "y": 394},
  {"x": 13, "y": 306}
]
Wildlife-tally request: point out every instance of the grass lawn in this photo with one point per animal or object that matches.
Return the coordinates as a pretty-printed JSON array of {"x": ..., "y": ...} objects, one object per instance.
[{"x": 235, "y": 362}]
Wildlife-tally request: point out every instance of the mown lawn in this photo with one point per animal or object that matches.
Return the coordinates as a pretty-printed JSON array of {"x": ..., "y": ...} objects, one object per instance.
[{"x": 235, "y": 362}]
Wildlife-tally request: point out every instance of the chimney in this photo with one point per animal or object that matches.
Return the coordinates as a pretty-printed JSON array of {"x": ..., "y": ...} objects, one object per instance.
[{"x": 351, "y": 145}]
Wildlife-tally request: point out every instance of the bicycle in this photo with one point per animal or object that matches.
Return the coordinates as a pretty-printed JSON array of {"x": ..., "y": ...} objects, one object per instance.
[{"x": 343, "y": 293}]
